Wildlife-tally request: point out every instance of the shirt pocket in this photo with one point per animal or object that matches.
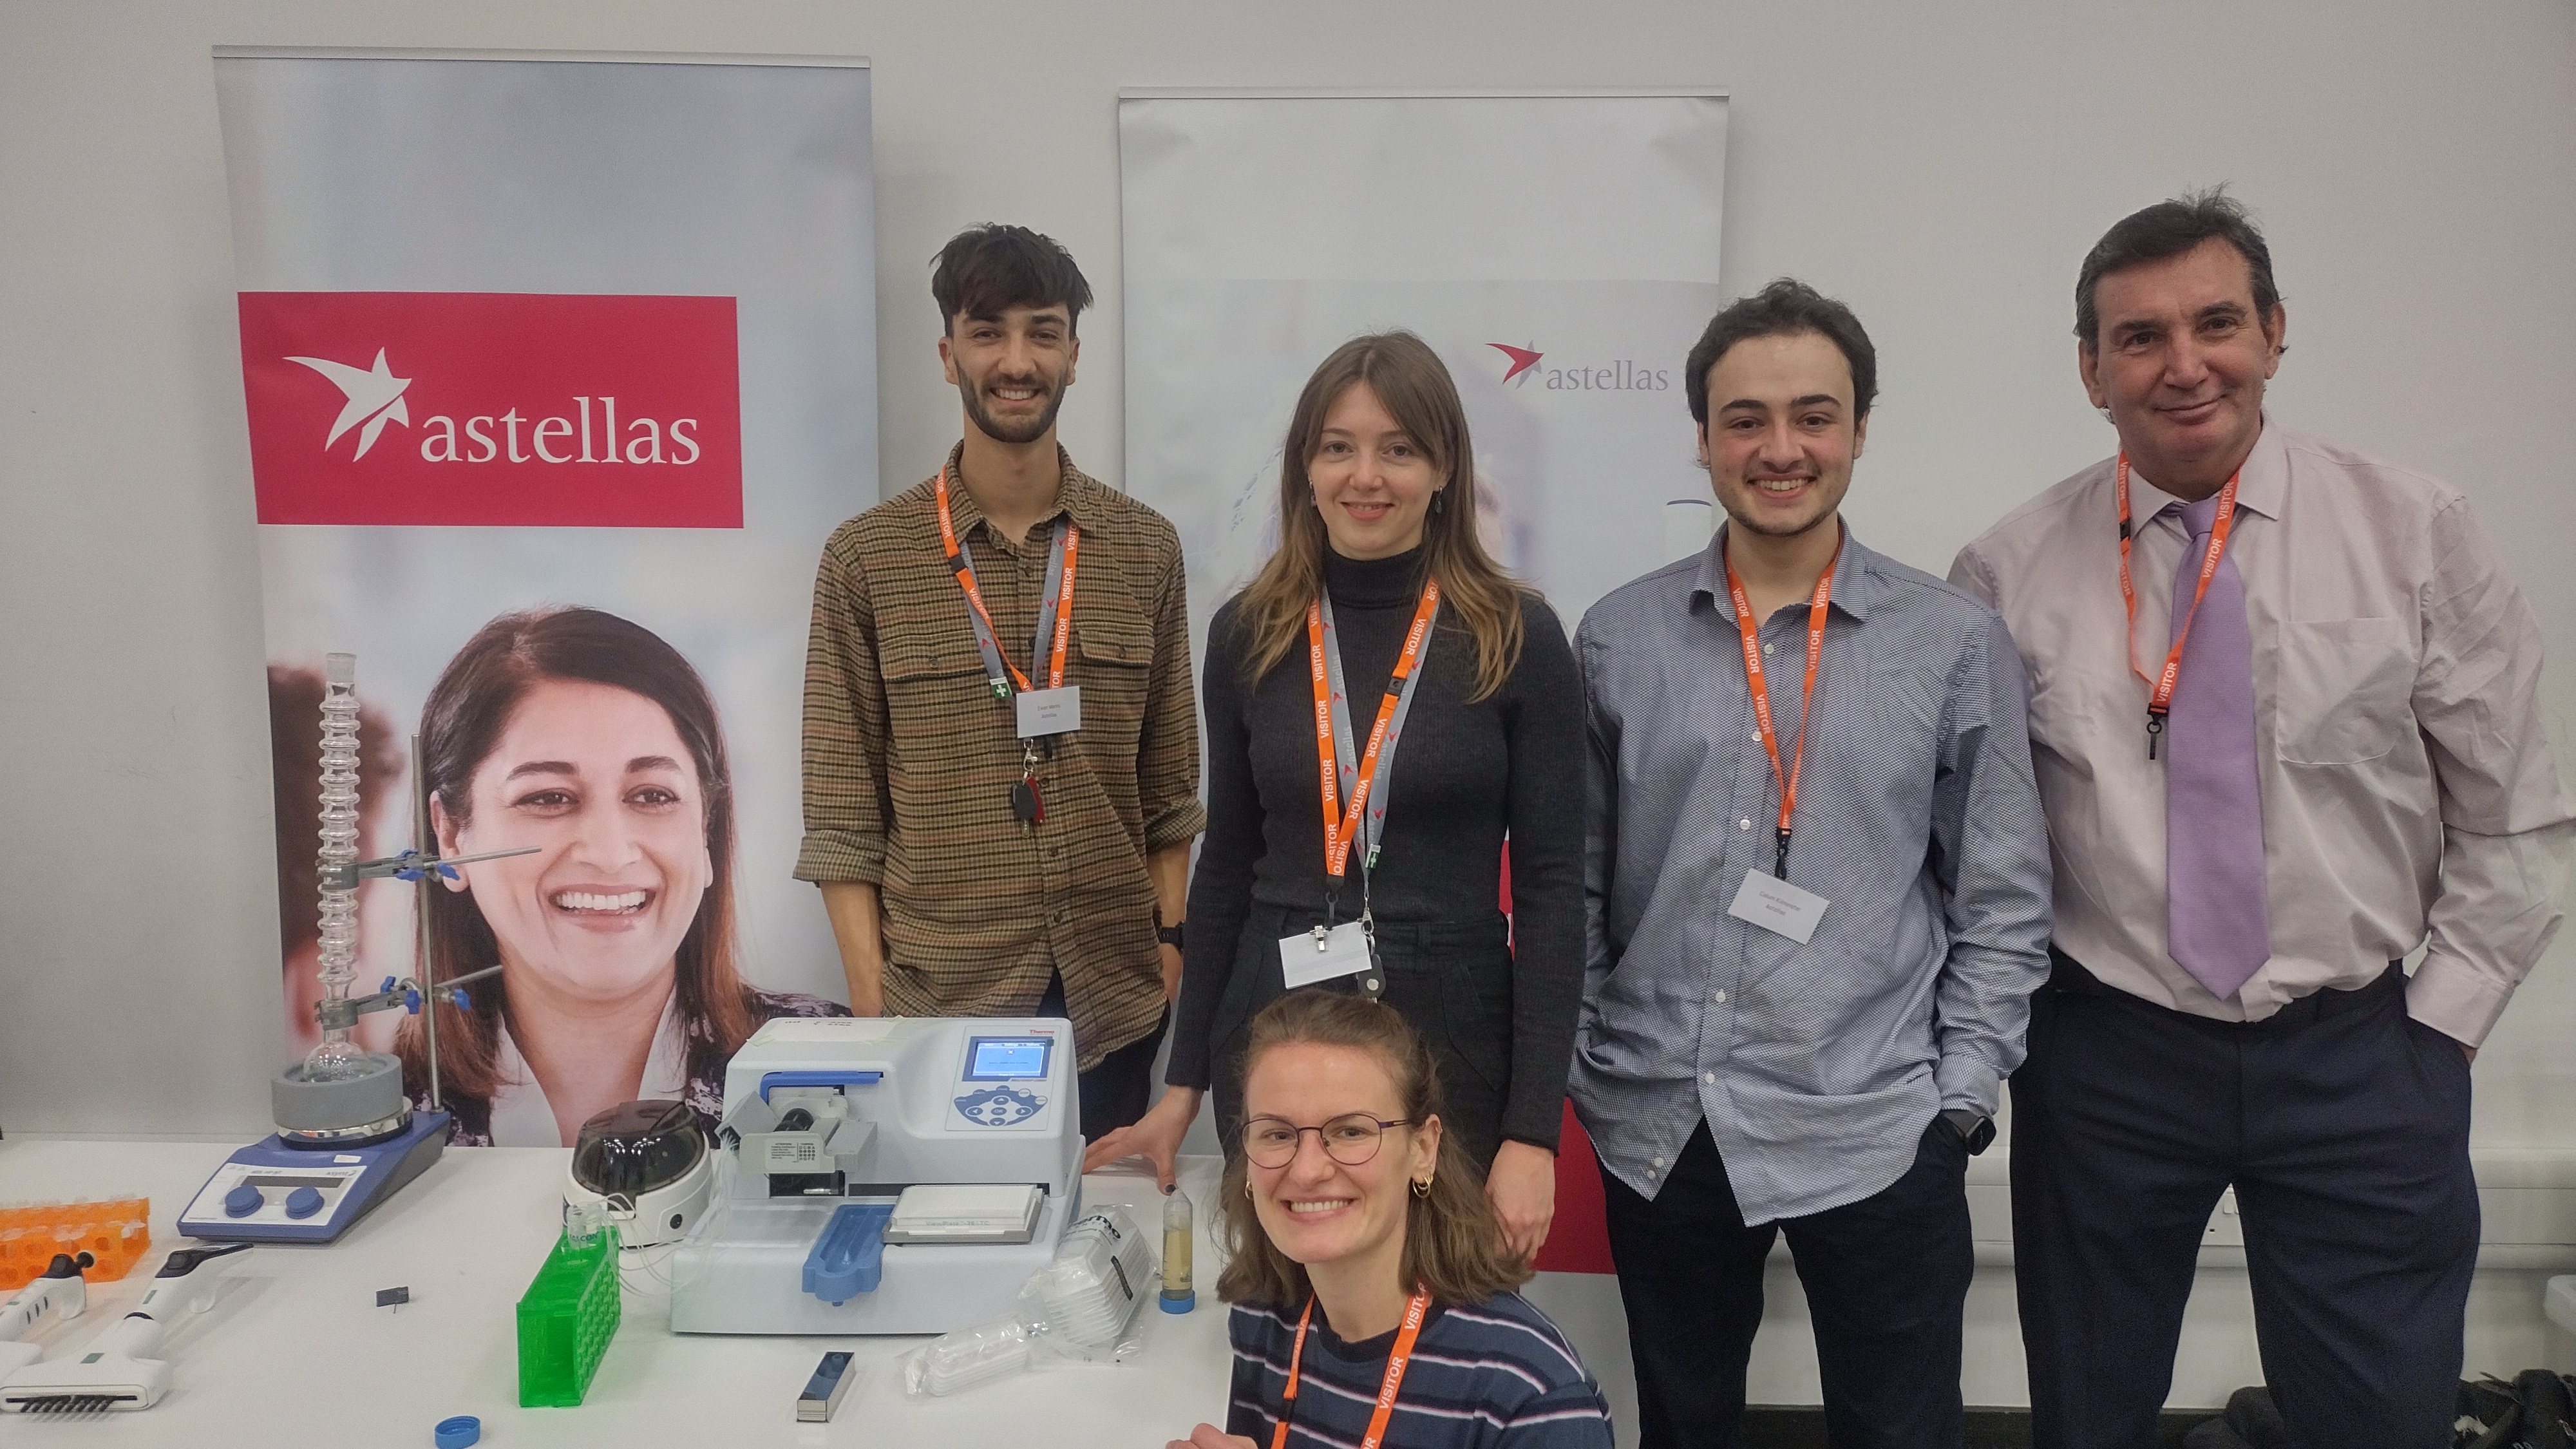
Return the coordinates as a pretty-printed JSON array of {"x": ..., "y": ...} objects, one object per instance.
[
  {"x": 932, "y": 670},
  {"x": 2342, "y": 690},
  {"x": 1114, "y": 637},
  {"x": 1115, "y": 647}
]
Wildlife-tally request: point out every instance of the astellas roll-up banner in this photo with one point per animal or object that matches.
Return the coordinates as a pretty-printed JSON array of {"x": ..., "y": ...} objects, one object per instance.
[
  {"x": 1559, "y": 251},
  {"x": 558, "y": 370}
]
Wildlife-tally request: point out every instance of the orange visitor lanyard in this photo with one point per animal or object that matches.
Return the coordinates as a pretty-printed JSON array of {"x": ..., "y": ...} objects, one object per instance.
[
  {"x": 1342, "y": 825},
  {"x": 1750, "y": 631},
  {"x": 1396, "y": 1360},
  {"x": 2160, "y": 690},
  {"x": 1069, "y": 543}
]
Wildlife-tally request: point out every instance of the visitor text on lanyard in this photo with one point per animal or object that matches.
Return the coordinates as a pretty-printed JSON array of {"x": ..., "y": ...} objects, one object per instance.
[
  {"x": 1349, "y": 780},
  {"x": 2160, "y": 690},
  {"x": 1041, "y": 713},
  {"x": 1750, "y": 630},
  {"x": 1396, "y": 1360},
  {"x": 1769, "y": 901}
]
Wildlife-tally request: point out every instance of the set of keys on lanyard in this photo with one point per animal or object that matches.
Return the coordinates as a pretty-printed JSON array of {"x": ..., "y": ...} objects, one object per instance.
[
  {"x": 1026, "y": 803},
  {"x": 1042, "y": 714}
]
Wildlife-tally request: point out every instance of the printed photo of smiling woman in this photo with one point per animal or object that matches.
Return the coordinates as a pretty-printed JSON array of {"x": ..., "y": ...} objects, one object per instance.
[
  {"x": 1374, "y": 1294},
  {"x": 586, "y": 735}
]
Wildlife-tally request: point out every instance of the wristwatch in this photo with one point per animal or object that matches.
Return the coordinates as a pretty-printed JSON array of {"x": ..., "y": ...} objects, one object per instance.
[
  {"x": 1975, "y": 1129},
  {"x": 1169, "y": 935}
]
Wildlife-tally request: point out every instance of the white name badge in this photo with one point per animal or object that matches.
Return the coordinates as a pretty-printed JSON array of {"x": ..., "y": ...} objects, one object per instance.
[
  {"x": 1777, "y": 906},
  {"x": 1307, "y": 959},
  {"x": 1049, "y": 711}
]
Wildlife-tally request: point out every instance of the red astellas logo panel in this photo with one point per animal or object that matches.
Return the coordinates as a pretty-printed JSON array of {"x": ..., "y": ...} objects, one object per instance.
[{"x": 493, "y": 408}]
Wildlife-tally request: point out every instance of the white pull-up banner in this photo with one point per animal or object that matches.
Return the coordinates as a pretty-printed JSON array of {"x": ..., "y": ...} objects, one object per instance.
[{"x": 558, "y": 370}]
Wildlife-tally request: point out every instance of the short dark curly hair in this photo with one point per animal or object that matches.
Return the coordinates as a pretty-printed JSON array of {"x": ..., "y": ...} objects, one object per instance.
[
  {"x": 987, "y": 268},
  {"x": 2169, "y": 229},
  {"x": 1786, "y": 308}
]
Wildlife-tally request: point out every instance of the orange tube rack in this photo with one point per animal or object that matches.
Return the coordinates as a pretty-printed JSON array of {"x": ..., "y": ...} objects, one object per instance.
[{"x": 114, "y": 1231}]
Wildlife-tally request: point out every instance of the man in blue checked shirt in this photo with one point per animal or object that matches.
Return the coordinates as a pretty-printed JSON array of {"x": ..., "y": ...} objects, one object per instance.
[{"x": 1818, "y": 885}]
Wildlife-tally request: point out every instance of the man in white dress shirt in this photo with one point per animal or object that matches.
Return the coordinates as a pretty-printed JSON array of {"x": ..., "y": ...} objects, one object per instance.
[{"x": 2285, "y": 720}]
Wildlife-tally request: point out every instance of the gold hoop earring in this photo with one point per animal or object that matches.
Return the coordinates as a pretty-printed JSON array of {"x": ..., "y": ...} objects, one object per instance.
[
  {"x": 1247, "y": 1191},
  {"x": 1422, "y": 1188}
]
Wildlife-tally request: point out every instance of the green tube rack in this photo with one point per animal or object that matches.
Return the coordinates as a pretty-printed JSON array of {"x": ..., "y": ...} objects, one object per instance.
[{"x": 566, "y": 1318}]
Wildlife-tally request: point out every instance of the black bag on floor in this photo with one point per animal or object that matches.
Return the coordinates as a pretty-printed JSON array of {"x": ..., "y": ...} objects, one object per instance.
[
  {"x": 2248, "y": 1422},
  {"x": 2535, "y": 1411}
]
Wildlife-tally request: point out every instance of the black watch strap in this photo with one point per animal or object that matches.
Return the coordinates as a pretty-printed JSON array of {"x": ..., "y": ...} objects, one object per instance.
[
  {"x": 1975, "y": 1129},
  {"x": 1171, "y": 935}
]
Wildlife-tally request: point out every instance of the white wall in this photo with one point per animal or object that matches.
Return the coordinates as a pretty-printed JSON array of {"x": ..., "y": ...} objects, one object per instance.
[{"x": 1940, "y": 167}]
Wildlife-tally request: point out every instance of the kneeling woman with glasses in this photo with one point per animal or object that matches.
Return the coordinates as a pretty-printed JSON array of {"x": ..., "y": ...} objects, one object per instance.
[{"x": 1373, "y": 1296}]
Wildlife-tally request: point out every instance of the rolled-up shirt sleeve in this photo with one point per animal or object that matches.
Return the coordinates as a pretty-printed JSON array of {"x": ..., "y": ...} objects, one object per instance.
[
  {"x": 846, "y": 730},
  {"x": 1990, "y": 856},
  {"x": 2508, "y": 826}
]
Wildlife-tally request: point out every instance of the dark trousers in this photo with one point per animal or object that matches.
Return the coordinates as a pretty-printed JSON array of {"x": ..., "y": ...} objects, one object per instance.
[
  {"x": 1886, "y": 1281},
  {"x": 2344, "y": 1126},
  {"x": 1116, "y": 1092}
]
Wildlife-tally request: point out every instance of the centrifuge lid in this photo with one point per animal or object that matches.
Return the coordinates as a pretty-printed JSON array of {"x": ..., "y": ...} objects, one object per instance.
[{"x": 635, "y": 1147}]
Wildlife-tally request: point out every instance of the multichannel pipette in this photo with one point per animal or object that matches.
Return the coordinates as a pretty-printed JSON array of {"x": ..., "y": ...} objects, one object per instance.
[{"x": 117, "y": 1373}]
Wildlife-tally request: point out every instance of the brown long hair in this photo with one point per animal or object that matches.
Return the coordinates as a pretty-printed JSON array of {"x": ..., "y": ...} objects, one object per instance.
[
  {"x": 460, "y": 724},
  {"x": 1453, "y": 1244},
  {"x": 1416, "y": 389}
]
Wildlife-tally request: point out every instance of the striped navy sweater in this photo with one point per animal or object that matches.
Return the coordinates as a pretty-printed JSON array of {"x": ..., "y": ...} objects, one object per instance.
[{"x": 1491, "y": 1375}]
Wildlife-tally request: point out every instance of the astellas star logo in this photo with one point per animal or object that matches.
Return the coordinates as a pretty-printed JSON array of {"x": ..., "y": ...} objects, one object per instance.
[
  {"x": 1523, "y": 359},
  {"x": 374, "y": 398}
]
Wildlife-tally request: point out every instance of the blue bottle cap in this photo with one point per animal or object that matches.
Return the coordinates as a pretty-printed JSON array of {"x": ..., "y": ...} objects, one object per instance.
[
  {"x": 1181, "y": 1304},
  {"x": 459, "y": 1432}
]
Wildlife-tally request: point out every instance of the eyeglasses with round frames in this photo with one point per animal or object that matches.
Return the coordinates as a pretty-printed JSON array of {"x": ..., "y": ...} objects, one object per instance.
[{"x": 1351, "y": 1139}]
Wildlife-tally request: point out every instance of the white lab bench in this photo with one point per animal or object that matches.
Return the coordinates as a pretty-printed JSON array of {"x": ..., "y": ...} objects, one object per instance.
[{"x": 295, "y": 1350}]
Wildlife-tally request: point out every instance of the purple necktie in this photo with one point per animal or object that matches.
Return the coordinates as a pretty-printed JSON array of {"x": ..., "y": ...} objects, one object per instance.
[{"x": 2218, "y": 924}]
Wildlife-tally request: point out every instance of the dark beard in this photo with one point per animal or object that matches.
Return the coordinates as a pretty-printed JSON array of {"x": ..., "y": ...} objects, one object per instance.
[{"x": 992, "y": 428}]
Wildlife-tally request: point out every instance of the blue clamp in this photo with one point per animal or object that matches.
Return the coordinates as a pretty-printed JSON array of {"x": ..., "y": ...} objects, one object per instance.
[
  {"x": 848, "y": 1259},
  {"x": 462, "y": 1002},
  {"x": 388, "y": 986},
  {"x": 416, "y": 867},
  {"x": 411, "y": 1002},
  {"x": 817, "y": 1079}
]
